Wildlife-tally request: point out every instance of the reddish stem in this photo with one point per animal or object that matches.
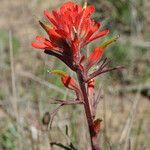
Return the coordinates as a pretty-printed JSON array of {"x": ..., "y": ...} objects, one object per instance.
[{"x": 93, "y": 135}]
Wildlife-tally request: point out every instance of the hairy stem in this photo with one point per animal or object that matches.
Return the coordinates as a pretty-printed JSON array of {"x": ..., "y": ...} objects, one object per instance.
[{"x": 93, "y": 135}]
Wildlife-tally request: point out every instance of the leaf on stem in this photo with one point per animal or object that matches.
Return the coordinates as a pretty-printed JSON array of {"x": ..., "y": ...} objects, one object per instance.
[
  {"x": 97, "y": 53},
  {"x": 67, "y": 80},
  {"x": 104, "y": 45}
]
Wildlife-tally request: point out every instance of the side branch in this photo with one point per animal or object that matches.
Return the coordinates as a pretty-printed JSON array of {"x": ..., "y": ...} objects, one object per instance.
[
  {"x": 61, "y": 103},
  {"x": 67, "y": 102},
  {"x": 100, "y": 71}
]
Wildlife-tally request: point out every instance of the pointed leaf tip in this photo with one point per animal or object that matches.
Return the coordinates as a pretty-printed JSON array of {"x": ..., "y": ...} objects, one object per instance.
[
  {"x": 104, "y": 45},
  {"x": 67, "y": 80},
  {"x": 59, "y": 72},
  {"x": 85, "y": 5}
]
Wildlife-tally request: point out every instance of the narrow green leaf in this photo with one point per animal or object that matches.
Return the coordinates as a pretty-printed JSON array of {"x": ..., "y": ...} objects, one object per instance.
[
  {"x": 58, "y": 72},
  {"x": 104, "y": 45}
]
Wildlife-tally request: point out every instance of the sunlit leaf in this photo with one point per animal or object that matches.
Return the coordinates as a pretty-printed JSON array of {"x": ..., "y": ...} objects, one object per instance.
[
  {"x": 67, "y": 80},
  {"x": 104, "y": 45}
]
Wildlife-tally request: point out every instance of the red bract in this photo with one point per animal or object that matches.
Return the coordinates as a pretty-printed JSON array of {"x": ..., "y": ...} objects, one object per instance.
[
  {"x": 67, "y": 80},
  {"x": 71, "y": 29},
  {"x": 94, "y": 58}
]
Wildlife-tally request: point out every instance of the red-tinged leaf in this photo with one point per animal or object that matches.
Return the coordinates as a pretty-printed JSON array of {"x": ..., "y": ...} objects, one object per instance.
[
  {"x": 101, "y": 34},
  {"x": 67, "y": 80},
  {"x": 94, "y": 58},
  {"x": 97, "y": 125}
]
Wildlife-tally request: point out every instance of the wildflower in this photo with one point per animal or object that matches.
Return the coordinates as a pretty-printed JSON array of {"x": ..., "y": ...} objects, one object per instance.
[{"x": 71, "y": 29}]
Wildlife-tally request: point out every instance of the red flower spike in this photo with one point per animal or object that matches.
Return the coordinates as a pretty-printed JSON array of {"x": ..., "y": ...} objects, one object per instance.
[
  {"x": 97, "y": 125},
  {"x": 71, "y": 29},
  {"x": 67, "y": 80}
]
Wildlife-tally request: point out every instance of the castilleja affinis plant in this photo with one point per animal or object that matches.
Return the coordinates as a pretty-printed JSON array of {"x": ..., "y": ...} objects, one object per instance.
[{"x": 70, "y": 30}]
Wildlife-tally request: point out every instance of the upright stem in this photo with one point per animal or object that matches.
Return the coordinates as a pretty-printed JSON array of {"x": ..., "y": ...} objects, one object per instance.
[{"x": 93, "y": 136}]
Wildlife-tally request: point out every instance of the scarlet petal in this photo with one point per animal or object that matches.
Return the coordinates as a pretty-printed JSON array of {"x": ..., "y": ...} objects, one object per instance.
[
  {"x": 88, "y": 11},
  {"x": 56, "y": 15},
  {"x": 44, "y": 40},
  {"x": 92, "y": 31},
  {"x": 38, "y": 45},
  {"x": 99, "y": 35},
  {"x": 68, "y": 5},
  {"x": 62, "y": 33},
  {"x": 40, "y": 38},
  {"x": 50, "y": 17},
  {"x": 94, "y": 58}
]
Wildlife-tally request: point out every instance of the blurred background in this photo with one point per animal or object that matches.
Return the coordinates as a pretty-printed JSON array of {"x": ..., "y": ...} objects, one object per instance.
[{"x": 27, "y": 90}]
